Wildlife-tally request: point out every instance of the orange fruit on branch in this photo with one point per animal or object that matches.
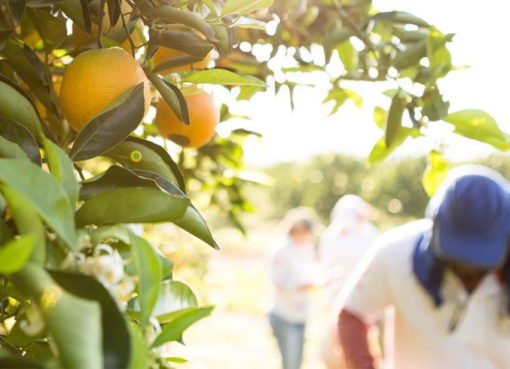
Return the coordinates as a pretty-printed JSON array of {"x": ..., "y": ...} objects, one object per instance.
[
  {"x": 95, "y": 79},
  {"x": 203, "y": 117}
]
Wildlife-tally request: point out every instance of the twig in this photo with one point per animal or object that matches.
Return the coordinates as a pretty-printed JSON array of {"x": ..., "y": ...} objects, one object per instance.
[
  {"x": 128, "y": 34},
  {"x": 100, "y": 31},
  {"x": 345, "y": 17}
]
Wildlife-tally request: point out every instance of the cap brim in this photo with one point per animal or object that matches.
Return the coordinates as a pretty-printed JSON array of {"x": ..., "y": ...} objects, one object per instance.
[{"x": 484, "y": 250}]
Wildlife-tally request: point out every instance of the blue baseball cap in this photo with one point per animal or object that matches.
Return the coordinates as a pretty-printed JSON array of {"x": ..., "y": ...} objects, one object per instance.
[{"x": 472, "y": 217}]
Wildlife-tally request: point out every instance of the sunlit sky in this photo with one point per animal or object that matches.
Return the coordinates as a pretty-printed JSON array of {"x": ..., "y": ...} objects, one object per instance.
[{"x": 480, "y": 43}]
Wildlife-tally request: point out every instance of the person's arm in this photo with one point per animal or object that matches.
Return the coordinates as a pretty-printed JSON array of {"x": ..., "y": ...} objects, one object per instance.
[
  {"x": 368, "y": 297},
  {"x": 353, "y": 334}
]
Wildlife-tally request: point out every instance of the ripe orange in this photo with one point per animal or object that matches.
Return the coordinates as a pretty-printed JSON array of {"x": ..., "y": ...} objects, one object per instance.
[
  {"x": 95, "y": 79},
  {"x": 164, "y": 53},
  {"x": 203, "y": 117}
]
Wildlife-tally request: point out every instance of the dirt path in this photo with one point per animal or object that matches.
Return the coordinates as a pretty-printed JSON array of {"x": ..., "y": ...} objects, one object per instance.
[{"x": 238, "y": 335}]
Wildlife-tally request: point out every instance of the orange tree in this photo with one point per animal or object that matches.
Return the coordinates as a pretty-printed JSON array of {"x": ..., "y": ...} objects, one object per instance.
[{"x": 81, "y": 162}]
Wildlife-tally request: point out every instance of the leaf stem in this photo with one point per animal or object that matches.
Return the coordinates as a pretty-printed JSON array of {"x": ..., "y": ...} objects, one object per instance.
[
  {"x": 131, "y": 43},
  {"x": 100, "y": 31}
]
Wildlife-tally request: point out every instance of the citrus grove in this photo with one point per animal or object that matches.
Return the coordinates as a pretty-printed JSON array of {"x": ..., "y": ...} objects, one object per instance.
[{"x": 93, "y": 93}]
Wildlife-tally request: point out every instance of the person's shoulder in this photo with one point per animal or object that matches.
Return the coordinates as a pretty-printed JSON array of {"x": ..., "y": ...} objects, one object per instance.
[
  {"x": 280, "y": 248},
  {"x": 401, "y": 240}
]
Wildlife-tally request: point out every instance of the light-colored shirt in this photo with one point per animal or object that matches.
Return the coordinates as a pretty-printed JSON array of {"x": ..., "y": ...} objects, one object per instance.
[
  {"x": 423, "y": 334},
  {"x": 293, "y": 267},
  {"x": 341, "y": 249}
]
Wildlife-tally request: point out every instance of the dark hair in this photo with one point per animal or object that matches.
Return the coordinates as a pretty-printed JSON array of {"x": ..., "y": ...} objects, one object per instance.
[{"x": 301, "y": 224}]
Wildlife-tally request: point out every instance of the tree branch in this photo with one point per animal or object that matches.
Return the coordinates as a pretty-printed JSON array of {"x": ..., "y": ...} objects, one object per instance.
[{"x": 359, "y": 33}]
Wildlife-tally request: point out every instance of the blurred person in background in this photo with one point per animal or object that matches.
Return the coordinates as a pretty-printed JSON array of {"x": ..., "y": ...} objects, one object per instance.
[
  {"x": 447, "y": 279},
  {"x": 341, "y": 246},
  {"x": 344, "y": 242},
  {"x": 293, "y": 272}
]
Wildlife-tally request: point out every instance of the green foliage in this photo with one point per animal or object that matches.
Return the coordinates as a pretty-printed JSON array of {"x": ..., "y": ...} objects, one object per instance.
[
  {"x": 320, "y": 182},
  {"x": 15, "y": 254}
]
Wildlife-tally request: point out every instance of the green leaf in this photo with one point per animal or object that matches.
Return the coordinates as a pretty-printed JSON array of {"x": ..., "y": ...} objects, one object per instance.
[
  {"x": 113, "y": 11},
  {"x": 435, "y": 107},
  {"x": 380, "y": 117},
  {"x": 73, "y": 9},
  {"x": 348, "y": 56},
  {"x": 113, "y": 178},
  {"x": 73, "y": 323},
  {"x": 194, "y": 223},
  {"x": 14, "y": 105},
  {"x": 247, "y": 92},
  {"x": 171, "y": 14},
  {"x": 249, "y": 23},
  {"x": 111, "y": 127},
  {"x": 173, "y": 97},
  {"x": 15, "y": 254},
  {"x": 411, "y": 55},
  {"x": 166, "y": 158},
  {"x": 394, "y": 122},
  {"x": 244, "y": 7},
  {"x": 173, "y": 296},
  {"x": 180, "y": 322},
  {"x": 118, "y": 231},
  {"x": 167, "y": 266},
  {"x": 135, "y": 153},
  {"x": 131, "y": 205},
  {"x": 9, "y": 150},
  {"x": 221, "y": 77},
  {"x": 149, "y": 271},
  {"x": 19, "y": 134},
  {"x": 17, "y": 8},
  {"x": 336, "y": 36},
  {"x": 185, "y": 41},
  {"x": 435, "y": 172},
  {"x": 480, "y": 126},
  {"x": 401, "y": 17},
  {"x": 225, "y": 38},
  {"x": 43, "y": 192},
  {"x": 27, "y": 65},
  {"x": 439, "y": 57},
  {"x": 380, "y": 150},
  {"x": 139, "y": 350},
  {"x": 61, "y": 167},
  {"x": 177, "y": 61},
  {"x": 52, "y": 29},
  {"x": 116, "y": 338},
  {"x": 407, "y": 36},
  {"x": 28, "y": 223},
  {"x": 177, "y": 360},
  {"x": 340, "y": 96}
]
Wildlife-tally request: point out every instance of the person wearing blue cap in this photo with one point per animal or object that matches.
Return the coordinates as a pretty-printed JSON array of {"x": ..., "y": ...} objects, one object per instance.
[{"x": 446, "y": 278}]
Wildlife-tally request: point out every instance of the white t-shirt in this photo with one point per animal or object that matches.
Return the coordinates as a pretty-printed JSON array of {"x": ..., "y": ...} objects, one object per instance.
[
  {"x": 291, "y": 268},
  {"x": 341, "y": 249},
  {"x": 422, "y": 335}
]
